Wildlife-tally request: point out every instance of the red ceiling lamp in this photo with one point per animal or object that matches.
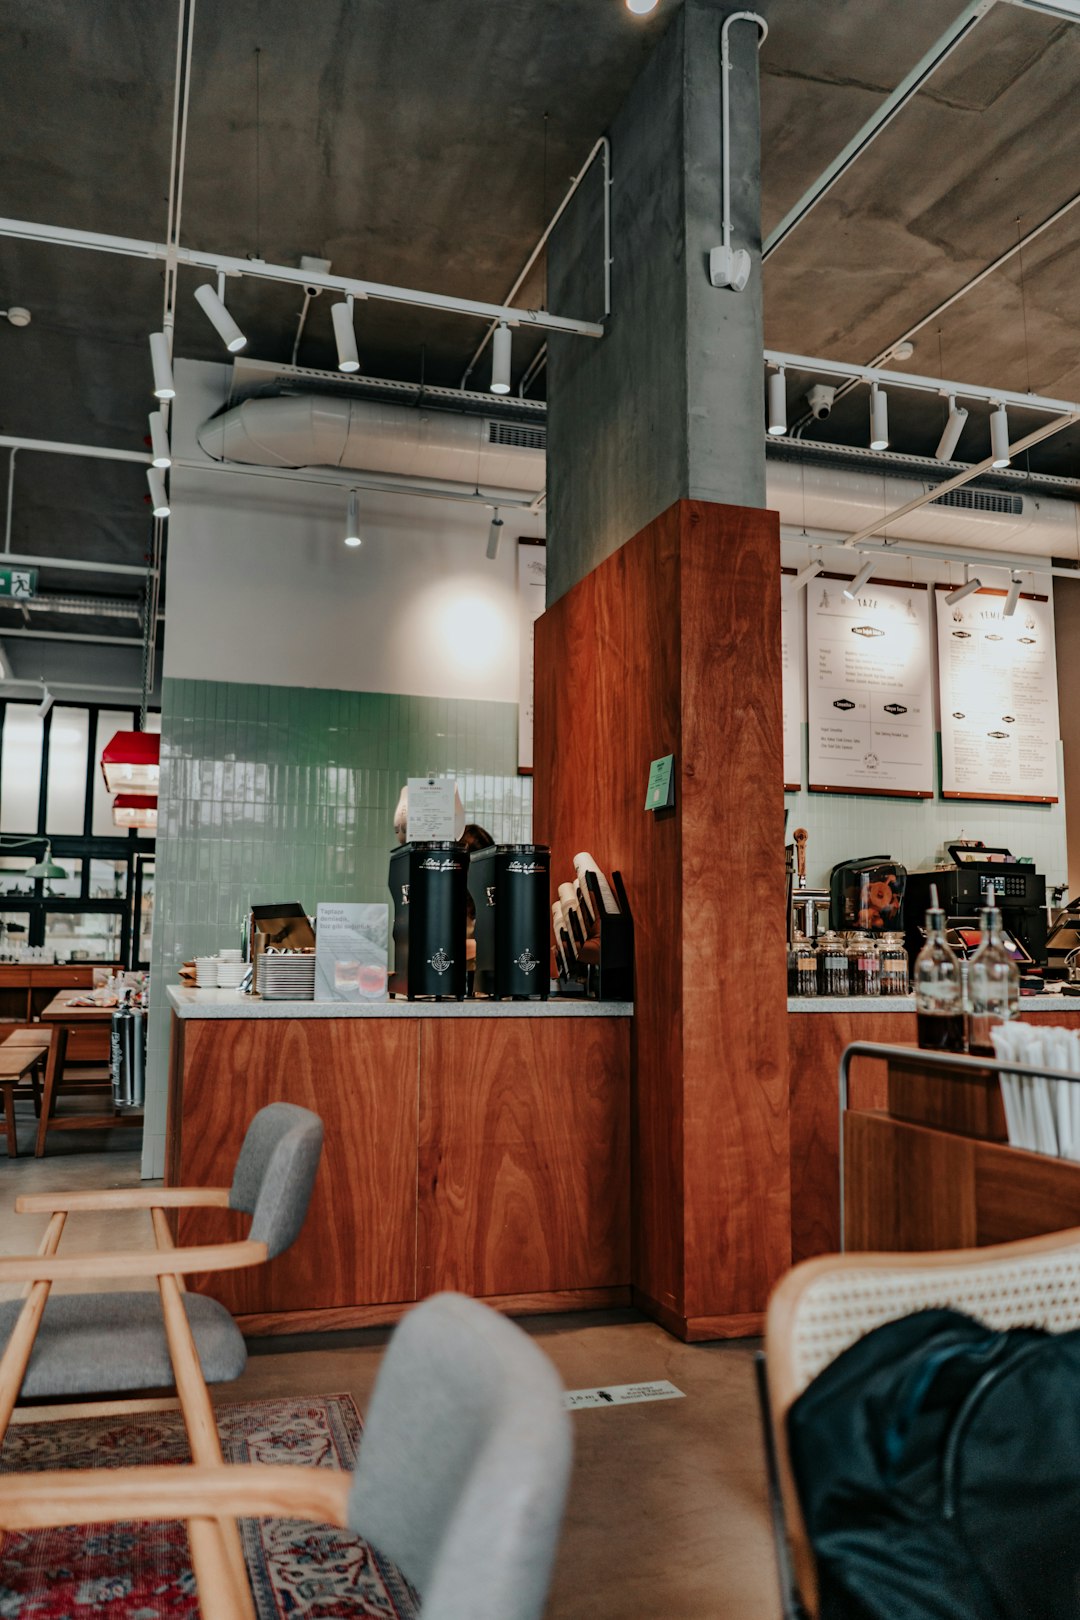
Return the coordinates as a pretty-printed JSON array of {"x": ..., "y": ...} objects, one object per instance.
[
  {"x": 132, "y": 762},
  {"x": 135, "y": 810}
]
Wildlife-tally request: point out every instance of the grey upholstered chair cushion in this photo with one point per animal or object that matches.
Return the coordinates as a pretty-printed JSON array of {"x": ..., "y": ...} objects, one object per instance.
[
  {"x": 276, "y": 1172},
  {"x": 464, "y": 1462},
  {"x": 97, "y": 1344}
]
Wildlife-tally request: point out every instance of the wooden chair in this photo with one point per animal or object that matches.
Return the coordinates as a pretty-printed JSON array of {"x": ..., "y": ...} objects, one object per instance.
[
  {"x": 92, "y": 1344},
  {"x": 461, "y": 1481},
  {"x": 21, "y": 1059},
  {"x": 823, "y": 1306}
]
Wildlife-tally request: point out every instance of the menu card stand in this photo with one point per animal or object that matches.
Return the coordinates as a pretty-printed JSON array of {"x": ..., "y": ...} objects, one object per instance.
[{"x": 600, "y": 964}]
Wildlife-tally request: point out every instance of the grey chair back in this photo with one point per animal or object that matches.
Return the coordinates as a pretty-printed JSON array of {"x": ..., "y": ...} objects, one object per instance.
[
  {"x": 276, "y": 1171},
  {"x": 464, "y": 1462}
]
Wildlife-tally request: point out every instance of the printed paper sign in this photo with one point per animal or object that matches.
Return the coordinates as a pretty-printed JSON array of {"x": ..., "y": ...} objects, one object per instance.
[
  {"x": 793, "y": 666},
  {"x": 431, "y": 813},
  {"x": 351, "y": 952},
  {"x": 622, "y": 1395}
]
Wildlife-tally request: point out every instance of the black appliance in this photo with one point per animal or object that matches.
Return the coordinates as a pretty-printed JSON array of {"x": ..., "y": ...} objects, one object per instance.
[
  {"x": 867, "y": 894},
  {"x": 1063, "y": 938},
  {"x": 428, "y": 883},
  {"x": 509, "y": 885},
  {"x": 961, "y": 888}
]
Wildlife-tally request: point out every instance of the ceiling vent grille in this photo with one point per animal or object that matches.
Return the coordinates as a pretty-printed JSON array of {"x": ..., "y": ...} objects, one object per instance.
[
  {"x": 522, "y": 435},
  {"x": 981, "y": 500}
]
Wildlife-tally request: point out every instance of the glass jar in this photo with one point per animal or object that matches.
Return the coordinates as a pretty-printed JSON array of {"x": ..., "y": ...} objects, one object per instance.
[
  {"x": 802, "y": 968},
  {"x": 864, "y": 965},
  {"x": 832, "y": 965},
  {"x": 894, "y": 965}
]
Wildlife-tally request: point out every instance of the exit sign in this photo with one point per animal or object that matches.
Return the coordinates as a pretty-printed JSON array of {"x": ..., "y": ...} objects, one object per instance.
[{"x": 18, "y": 582}]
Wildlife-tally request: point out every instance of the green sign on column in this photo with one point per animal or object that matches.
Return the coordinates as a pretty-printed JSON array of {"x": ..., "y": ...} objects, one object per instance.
[{"x": 18, "y": 582}]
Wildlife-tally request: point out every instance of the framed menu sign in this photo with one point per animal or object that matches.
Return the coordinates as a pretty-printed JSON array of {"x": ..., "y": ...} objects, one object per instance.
[
  {"x": 793, "y": 665},
  {"x": 999, "y": 701},
  {"x": 869, "y": 693}
]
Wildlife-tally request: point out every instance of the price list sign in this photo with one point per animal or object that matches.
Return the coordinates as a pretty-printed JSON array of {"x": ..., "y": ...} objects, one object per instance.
[
  {"x": 999, "y": 700},
  {"x": 793, "y": 665},
  {"x": 869, "y": 693}
]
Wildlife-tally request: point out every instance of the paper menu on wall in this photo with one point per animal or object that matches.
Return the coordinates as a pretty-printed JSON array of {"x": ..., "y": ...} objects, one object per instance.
[
  {"x": 869, "y": 690},
  {"x": 351, "y": 952},
  {"x": 999, "y": 701},
  {"x": 431, "y": 813},
  {"x": 793, "y": 667}
]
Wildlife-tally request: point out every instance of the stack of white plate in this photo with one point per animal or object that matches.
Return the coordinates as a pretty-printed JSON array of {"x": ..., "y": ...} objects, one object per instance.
[
  {"x": 229, "y": 974},
  {"x": 287, "y": 978}
]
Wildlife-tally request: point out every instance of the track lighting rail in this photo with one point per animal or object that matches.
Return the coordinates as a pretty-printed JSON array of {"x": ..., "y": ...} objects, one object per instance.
[
  {"x": 912, "y": 380},
  {"x": 260, "y": 270}
]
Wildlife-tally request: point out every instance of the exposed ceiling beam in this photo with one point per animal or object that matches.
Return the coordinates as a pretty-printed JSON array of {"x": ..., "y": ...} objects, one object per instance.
[{"x": 909, "y": 86}]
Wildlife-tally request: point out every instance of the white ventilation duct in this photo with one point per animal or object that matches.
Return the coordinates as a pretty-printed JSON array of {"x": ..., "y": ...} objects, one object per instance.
[
  {"x": 312, "y": 430},
  {"x": 325, "y": 431}
]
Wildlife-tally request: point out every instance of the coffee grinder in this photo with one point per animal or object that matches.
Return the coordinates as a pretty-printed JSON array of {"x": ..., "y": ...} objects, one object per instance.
[
  {"x": 509, "y": 888},
  {"x": 428, "y": 884}
]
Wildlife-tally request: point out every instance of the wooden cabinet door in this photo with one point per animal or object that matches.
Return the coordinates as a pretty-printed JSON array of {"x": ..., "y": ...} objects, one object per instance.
[{"x": 524, "y": 1170}]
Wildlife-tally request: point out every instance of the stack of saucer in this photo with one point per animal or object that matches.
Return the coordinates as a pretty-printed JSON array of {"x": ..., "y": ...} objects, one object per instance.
[
  {"x": 287, "y": 978},
  {"x": 230, "y": 969}
]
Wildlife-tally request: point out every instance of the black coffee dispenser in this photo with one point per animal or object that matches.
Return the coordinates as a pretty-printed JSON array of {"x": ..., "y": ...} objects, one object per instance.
[
  {"x": 509, "y": 887},
  {"x": 428, "y": 884}
]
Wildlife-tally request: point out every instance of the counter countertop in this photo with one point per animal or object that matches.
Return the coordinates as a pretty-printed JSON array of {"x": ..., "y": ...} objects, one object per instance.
[
  {"x": 1049, "y": 1002},
  {"x": 195, "y": 1003}
]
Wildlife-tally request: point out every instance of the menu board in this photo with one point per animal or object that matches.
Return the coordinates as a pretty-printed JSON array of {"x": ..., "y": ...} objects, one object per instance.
[
  {"x": 999, "y": 702},
  {"x": 793, "y": 665},
  {"x": 869, "y": 693}
]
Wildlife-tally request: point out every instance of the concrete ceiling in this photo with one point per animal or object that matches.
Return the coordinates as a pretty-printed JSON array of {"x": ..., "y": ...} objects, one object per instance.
[{"x": 426, "y": 142}]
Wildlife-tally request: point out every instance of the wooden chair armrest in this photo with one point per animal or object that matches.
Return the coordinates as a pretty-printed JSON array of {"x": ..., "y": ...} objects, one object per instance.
[
  {"x": 123, "y": 1198},
  {"x": 110, "y": 1496},
  {"x": 152, "y": 1263}
]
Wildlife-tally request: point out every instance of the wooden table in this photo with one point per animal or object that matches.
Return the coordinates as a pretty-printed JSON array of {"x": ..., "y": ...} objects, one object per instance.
[{"x": 65, "y": 1020}]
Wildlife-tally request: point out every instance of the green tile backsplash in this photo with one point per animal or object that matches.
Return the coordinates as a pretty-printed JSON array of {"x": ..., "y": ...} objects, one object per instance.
[{"x": 286, "y": 793}]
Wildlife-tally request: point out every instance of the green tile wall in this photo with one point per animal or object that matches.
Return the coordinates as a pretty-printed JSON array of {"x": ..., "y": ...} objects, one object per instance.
[{"x": 285, "y": 793}]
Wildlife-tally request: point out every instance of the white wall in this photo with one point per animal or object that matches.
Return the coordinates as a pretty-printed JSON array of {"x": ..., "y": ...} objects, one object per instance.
[{"x": 261, "y": 588}]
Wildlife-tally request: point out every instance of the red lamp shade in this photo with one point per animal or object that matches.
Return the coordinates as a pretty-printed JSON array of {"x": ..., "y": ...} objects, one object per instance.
[
  {"x": 132, "y": 761},
  {"x": 135, "y": 810}
]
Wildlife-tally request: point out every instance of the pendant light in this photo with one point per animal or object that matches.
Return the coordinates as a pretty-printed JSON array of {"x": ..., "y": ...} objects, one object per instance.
[
  {"x": 501, "y": 349},
  {"x": 132, "y": 761},
  {"x": 135, "y": 810},
  {"x": 46, "y": 867}
]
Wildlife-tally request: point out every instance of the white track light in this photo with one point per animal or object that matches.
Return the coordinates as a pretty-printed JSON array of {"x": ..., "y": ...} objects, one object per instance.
[
  {"x": 777, "y": 403},
  {"x": 1013, "y": 597},
  {"x": 214, "y": 308},
  {"x": 852, "y": 589},
  {"x": 500, "y": 359},
  {"x": 950, "y": 437},
  {"x": 158, "y": 498},
  {"x": 808, "y": 572},
  {"x": 494, "y": 536},
  {"x": 159, "y": 441},
  {"x": 999, "y": 436},
  {"x": 879, "y": 418},
  {"x": 345, "y": 336},
  {"x": 969, "y": 585},
  {"x": 159, "y": 359},
  {"x": 352, "y": 520}
]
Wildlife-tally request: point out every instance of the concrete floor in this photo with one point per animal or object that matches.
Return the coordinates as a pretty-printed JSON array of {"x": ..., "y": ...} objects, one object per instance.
[{"x": 667, "y": 1515}]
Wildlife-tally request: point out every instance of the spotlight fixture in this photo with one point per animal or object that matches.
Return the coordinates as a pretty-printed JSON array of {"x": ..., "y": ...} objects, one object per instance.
[
  {"x": 158, "y": 498},
  {"x": 345, "y": 336},
  {"x": 494, "y": 536},
  {"x": 954, "y": 426},
  {"x": 1013, "y": 597},
  {"x": 879, "y": 418},
  {"x": 777, "y": 402},
  {"x": 808, "y": 572},
  {"x": 162, "y": 364},
  {"x": 46, "y": 702},
  {"x": 854, "y": 586},
  {"x": 352, "y": 521},
  {"x": 213, "y": 306},
  {"x": 969, "y": 585},
  {"x": 999, "y": 436},
  {"x": 641, "y": 8},
  {"x": 159, "y": 441},
  {"x": 500, "y": 359},
  {"x": 17, "y": 315}
]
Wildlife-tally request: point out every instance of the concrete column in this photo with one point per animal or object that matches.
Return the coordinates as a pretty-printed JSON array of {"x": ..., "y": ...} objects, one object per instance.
[{"x": 667, "y": 406}]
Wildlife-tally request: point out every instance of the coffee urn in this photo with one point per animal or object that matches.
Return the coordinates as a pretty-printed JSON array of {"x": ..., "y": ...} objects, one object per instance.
[
  {"x": 509, "y": 888},
  {"x": 428, "y": 884}
]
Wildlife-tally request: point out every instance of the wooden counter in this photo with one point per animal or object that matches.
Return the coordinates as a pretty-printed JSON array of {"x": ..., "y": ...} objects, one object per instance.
[
  {"x": 816, "y": 1040},
  {"x": 465, "y": 1148}
]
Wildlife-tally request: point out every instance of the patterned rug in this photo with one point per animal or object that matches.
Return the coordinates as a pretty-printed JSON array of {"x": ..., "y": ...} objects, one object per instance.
[{"x": 143, "y": 1572}]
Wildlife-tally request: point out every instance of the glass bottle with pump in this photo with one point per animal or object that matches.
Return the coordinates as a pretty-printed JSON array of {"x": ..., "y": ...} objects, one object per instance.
[
  {"x": 939, "y": 988},
  {"x": 993, "y": 982}
]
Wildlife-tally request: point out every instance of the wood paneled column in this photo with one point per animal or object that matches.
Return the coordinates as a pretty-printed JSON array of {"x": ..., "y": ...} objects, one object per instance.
[{"x": 672, "y": 645}]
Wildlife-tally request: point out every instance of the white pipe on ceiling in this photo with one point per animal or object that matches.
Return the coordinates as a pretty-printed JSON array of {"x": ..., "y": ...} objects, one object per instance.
[
  {"x": 57, "y": 447},
  {"x": 134, "y": 642}
]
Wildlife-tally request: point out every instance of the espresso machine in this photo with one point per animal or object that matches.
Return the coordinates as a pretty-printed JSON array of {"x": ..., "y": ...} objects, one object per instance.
[
  {"x": 1020, "y": 897},
  {"x": 428, "y": 883},
  {"x": 509, "y": 888}
]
